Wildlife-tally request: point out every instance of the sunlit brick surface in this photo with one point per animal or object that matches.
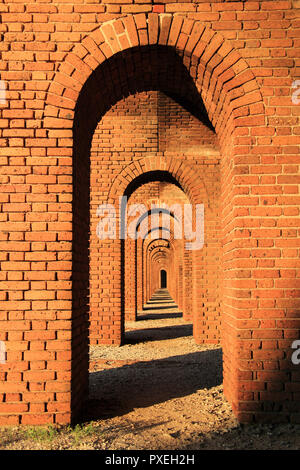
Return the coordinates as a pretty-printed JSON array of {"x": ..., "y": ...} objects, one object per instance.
[{"x": 104, "y": 100}]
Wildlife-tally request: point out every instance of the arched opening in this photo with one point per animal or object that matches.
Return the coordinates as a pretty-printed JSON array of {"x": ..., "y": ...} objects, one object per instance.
[
  {"x": 163, "y": 279},
  {"x": 166, "y": 118},
  {"x": 184, "y": 71},
  {"x": 155, "y": 207},
  {"x": 137, "y": 94}
]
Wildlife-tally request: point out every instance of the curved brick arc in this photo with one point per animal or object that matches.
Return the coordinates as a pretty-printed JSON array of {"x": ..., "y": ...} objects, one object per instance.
[
  {"x": 191, "y": 182},
  {"x": 227, "y": 84},
  {"x": 149, "y": 249},
  {"x": 139, "y": 271},
  {"x": 162, "y": 254},
  {"x": 158, "y": 242},
  {"x": 259, "y": 196},
  {"x": 158, "y": 250},
  {"x": 142, "y": 293},
  {"x": 225, "y": 81}
]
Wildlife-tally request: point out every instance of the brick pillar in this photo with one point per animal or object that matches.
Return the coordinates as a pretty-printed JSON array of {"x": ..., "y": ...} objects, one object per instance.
[
  {"x": 139, "y": 274},
  {"x": 130, "y": 280},
  {"x": 187, "y": 285}
]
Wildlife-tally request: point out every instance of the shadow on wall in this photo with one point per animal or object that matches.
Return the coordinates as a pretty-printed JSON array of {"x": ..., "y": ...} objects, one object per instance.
[{"x": 117, "y": 391}]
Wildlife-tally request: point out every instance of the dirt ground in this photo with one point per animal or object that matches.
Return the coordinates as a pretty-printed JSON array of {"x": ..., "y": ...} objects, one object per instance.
[{"x": 158, "y": 391}]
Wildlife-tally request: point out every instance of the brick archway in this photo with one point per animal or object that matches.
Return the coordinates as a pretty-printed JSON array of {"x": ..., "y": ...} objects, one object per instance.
[
  {"x": 193, "y": 186},
  {"x": 150, "y": 247},
  {"x": 226, "y": 82},
  {"x": 145, "y": 290},
  {"x": 148, "y": 168},
  {"x": 235, "y": 107},
  {"x": 191, "y": 182},
  {"x": 231, "y": 97}
]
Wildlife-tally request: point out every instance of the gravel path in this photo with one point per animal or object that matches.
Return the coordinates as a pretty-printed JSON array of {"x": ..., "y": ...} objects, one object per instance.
[
  {"x": 163, "y": 391},
  {"x": 160, "y": 387},
  {"x": 158, "y": 391}
]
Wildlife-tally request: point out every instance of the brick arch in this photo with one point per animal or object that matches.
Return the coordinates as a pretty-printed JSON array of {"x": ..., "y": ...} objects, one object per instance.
[
  {"x": 150, "y": 247},
  {"x": 158, "y": 242},
  {"x": 191, "y": 183},
  {"x": 229, "y": 92},
  {"x": 150, "y": 206},
  {"x": 226, "y": 82},
  {"x": 158, "y": 249},
  {"x": 159, "y": 254},
  {"x": 173, "y": 249},
  {"x": 128, "y": 178},
  {"x": 257, "y": 302},
  {"x": 163, "y": 276},
  {"x": 145, "y": 253},
  {"x": 158, "y": 207},
  {"x": 224, "y": 79}
]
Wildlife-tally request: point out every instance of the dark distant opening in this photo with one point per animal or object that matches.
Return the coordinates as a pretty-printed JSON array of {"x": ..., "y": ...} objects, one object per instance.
[{"x": 163, "y": 279}]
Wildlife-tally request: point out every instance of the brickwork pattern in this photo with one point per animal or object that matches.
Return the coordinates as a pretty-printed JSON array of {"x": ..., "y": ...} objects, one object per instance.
[{"x": 65, "y": 65}]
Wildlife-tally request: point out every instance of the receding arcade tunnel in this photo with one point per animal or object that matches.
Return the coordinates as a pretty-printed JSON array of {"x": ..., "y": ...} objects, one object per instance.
[{"x": 145, "y": 273}]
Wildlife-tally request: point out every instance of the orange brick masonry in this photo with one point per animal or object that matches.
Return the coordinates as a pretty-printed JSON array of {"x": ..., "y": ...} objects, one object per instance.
[{"x": 163, "y": 102}]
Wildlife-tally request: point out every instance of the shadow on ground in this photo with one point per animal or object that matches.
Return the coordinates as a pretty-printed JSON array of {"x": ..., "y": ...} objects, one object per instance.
[
  {"x": 158, "y": 316},
  {"x": 157, "y": 334},
  {"x": 248, "y": 437},
  {"x": 160, "y": 306},
  {"x": 119, "y": 390}
]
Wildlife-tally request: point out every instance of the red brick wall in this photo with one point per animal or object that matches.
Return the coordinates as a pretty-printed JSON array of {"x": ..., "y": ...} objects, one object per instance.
[
  {"x": 142, "y": 124},
  {"x": 64, "y": 70}
]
